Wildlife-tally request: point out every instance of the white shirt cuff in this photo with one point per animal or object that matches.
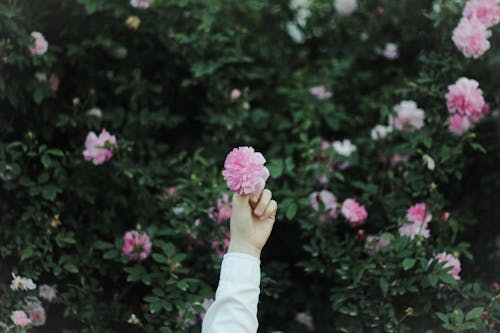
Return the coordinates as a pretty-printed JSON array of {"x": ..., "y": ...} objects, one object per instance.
[{"x": 240, "y": 268}]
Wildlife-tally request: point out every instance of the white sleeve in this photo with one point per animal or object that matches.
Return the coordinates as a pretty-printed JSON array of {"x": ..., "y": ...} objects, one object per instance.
[{"x": 235, "y": 306}]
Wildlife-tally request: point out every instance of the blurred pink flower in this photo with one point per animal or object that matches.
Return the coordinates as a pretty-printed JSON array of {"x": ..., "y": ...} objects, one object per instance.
[
  {"x": 395, "y": 159},
  {"x": 137, "y": 246},
  {"x": 486, "y": 11},
  {"x": 170, "y": 191},
  {"x": 223, "y": 208},
  {"x": 346, "y": 7},
  {"x": 244, "y": 171},
  {"x": 417, "y": 222},
  {"x": 471, "y": 37},
  {"x": 207, "y": 303},
  {"x": 220, "y": 248},
  {"x": 452, "y": 264},
  {"x": 408, "y": 116},
  {"x": 40, "y": 45},
  {"x": 19, "y": 318},
  {"x": 391, "y": 51},
  {"x": 458, "y": 124},
  {"x": 99, "y": 149},
  {"x": 36, "y": 314},
  {"x": 353, "y": 212},
  {"x": 375, "y": 243},
  {"x": 54, "y": 82},
  {"x": 141, "y": 3},
  {"x": 325, "y": 203},
  {"x": 445, "y": 216},
  {"x": 320, "y": 92},
  {"x": 235, "y": 94},
  {"x": 465, "y": 98},
  {"x": 480, "y": 115}
]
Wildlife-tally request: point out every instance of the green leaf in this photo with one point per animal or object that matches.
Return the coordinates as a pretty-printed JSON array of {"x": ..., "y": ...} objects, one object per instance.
[
  {"x": 408, "y": 263},
  {"x": 27, "y": 253},
  {"x": 55, "y": 152},
  {"x": 384, "y": 285},
  {"x": 182, "y": 285},
  {"x": 291, "y": 211},
  {"x": 474, "y": 313},
  {"x": 49, "y": 192},
  {"x": 447, "y": 278},
  {"x": 71, "y": 268},
  {"x": 46, "y": 161},
  {"x": 275, "y": 167},
  {"x": 442, "y": 317},
  {"x": 159, "y": 258},
  {"x": 100, "y": 245}
]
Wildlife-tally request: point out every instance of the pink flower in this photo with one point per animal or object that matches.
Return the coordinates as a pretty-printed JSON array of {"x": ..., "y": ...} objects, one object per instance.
[
  {"x": 353, "y": 212},
  {"x": 328, "y": 203},
  {"x": 320, "y": 92},
  {"x": 396, "y": 159},
  {"x": 346, "y": 7},
  {"x": 224, "y": 208},
  {"x": 207, "y": 303},
  {"x": 244, "y": 171},
  {"x": 458, "y": 124},
  {"x": 465, "y": 98},
  {"x": 235, "y": 94},
  {"x": 417, "y": 222},
  {"x": 136, "y": 246},
  {"x": 471, "y": 37},
  {"x": 408, "y": 116},
  {"x": 445, "y": 216},
  {"x": 221, "y": 247},
  {"x": 486, "y": 11},
  {"x": 374, "y": 243},
  {"x": 141, "y": 3},
  {"x": 391, "y": 51},
  {"x": 452, "y": 264},
  {"x": 99, "y": 149},
  {"x": 40, "y": 45},
  {"x": 54, "y": 82},
  {"x": 19, "y": 318},
  {"x": 480, "y": 115},
  {"x": 170, "y": 191},
  {"x": 36, "y": 314}
]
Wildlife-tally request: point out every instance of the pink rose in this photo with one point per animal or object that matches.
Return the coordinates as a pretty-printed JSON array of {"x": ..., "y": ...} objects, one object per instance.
[
  {"x": 471, "y": 37},
  {"x": 452, "y": 264},
  {"x": 466, "y": 98},
  {"x": 36, "y": 314},
  {"x": 54, "y": 82},
  {"x": 485, "y": 11},
  {"x": 375, "y": 243},
  {"x": 445, "y": 216},
  {"x": 396, "y": 159},
  {"x": 223, "y": 208},
  {"x": 244, "y": 171},
  {"x": 345, "y": 7},
  {"x": 417, "y": 222},
  {"x": 458, "y": 124},
  {"x": 99, "y": 149},
  {"x": 320, "y": 92},
  {"x": 137, "y": 246},
  {"x": 40, "y": 45},
  {"x": 19, "y": 318},
  {"x": 353, "y": 212},
  {"x": 235, "y": 94},
  {"x": 408, "y": 116},
  {"x": 328, "y": 203}
]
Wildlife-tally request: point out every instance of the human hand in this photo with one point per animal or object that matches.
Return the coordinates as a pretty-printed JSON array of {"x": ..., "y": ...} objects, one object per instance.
[{"x": 252, "y": 220}]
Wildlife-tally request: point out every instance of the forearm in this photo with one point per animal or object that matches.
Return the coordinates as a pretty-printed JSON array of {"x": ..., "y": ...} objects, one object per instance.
[{"x": 235, "y": 306}]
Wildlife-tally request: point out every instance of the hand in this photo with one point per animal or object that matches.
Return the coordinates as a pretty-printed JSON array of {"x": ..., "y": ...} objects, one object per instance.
[{"x": 252, "y": 220}]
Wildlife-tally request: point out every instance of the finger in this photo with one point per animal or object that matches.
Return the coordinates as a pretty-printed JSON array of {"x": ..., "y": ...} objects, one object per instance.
[
  {"x": 270, "y": 212},
  {"x": 240, "y": 200},
  {"x": 254, "y": 199},
  {"x": 265, "y": 197}
]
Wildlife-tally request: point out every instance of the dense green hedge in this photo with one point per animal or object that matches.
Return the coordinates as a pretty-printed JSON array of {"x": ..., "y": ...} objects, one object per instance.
[{"x": 161, "y": 80}]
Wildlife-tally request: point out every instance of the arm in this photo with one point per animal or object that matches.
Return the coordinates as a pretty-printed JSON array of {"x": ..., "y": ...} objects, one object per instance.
[{"x": 235, "y": 306}]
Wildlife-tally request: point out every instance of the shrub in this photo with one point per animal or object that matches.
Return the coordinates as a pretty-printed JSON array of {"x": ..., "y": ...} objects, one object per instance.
[{"x": 349, "y": 100}]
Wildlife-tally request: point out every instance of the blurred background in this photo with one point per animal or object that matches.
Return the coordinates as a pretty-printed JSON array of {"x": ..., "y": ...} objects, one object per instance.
[{"x": 116, "y": 116}]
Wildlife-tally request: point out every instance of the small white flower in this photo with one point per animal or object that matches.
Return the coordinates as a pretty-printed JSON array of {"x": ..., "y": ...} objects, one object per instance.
[
  {"x": 133, "y": 320},
  {"x": 391, "y": 51},
  {"x": 379, "y": 132},
  {"x": 21, "y": 283},
  {"x": 47, "y": 293},
  {"x": 344, "y": 147},
  {"x": 95, "y": 111},
  {"x": 305, "y": 319},
  {"x": 429, "y": 162},
  {"x": 178, "y": 210},
  {"x": 40, "y": 76}
]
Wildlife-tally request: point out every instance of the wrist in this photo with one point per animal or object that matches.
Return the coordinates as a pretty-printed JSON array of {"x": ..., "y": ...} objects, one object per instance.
[{"x": 243, "y": 247}]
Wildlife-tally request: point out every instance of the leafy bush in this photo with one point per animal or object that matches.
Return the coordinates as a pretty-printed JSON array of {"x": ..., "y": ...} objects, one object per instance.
[{"x": 181, "y": 83}]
